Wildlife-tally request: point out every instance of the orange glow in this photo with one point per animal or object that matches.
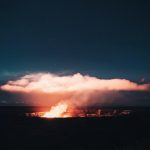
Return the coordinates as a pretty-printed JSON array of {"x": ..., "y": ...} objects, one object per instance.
[
  {"x": 62, "y": 111},
  {"x": 57, "y": 111},
  {"x": 46, "y": 89}
]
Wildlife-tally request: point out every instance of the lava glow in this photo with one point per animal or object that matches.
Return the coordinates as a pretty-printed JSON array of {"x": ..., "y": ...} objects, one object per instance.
[
  {"x": 57, "y": 111},
  {"x": 63, "y": 110}
]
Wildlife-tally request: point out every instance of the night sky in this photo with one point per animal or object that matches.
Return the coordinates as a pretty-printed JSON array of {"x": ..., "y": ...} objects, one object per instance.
[
  {"x": 104, "y": 38},
  {"x": 100, "y": 38}
]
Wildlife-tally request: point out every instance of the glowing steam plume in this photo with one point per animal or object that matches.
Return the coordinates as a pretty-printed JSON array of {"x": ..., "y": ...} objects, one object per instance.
[
  {"x": 77, "y": 90},
  {"x": 50, "y": 83}
]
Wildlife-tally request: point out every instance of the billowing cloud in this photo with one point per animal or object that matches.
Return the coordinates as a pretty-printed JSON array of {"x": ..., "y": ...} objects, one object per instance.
[
  {"x": 50, "y": 83},
  {"x": 78, "y": 89}
]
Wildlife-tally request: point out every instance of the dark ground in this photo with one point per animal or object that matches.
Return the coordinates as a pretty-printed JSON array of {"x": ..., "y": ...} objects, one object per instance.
[{"x": 110, "y": 133}]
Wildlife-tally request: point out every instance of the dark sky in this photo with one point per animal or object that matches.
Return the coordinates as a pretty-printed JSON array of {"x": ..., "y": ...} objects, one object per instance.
[{"x": 110, "y": 39}]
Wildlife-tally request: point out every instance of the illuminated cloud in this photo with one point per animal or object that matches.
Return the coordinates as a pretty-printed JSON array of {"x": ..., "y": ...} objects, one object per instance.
[
  {"x": 77, "y": 88},
  {"x": 50, "y": 83}
]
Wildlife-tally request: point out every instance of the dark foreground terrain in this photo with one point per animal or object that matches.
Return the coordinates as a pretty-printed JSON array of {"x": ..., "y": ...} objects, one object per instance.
[{"x": 18, "y": 132}]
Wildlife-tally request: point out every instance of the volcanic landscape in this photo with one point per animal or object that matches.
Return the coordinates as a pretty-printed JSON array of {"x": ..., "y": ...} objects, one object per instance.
[{"x": 25, "y": 128}]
